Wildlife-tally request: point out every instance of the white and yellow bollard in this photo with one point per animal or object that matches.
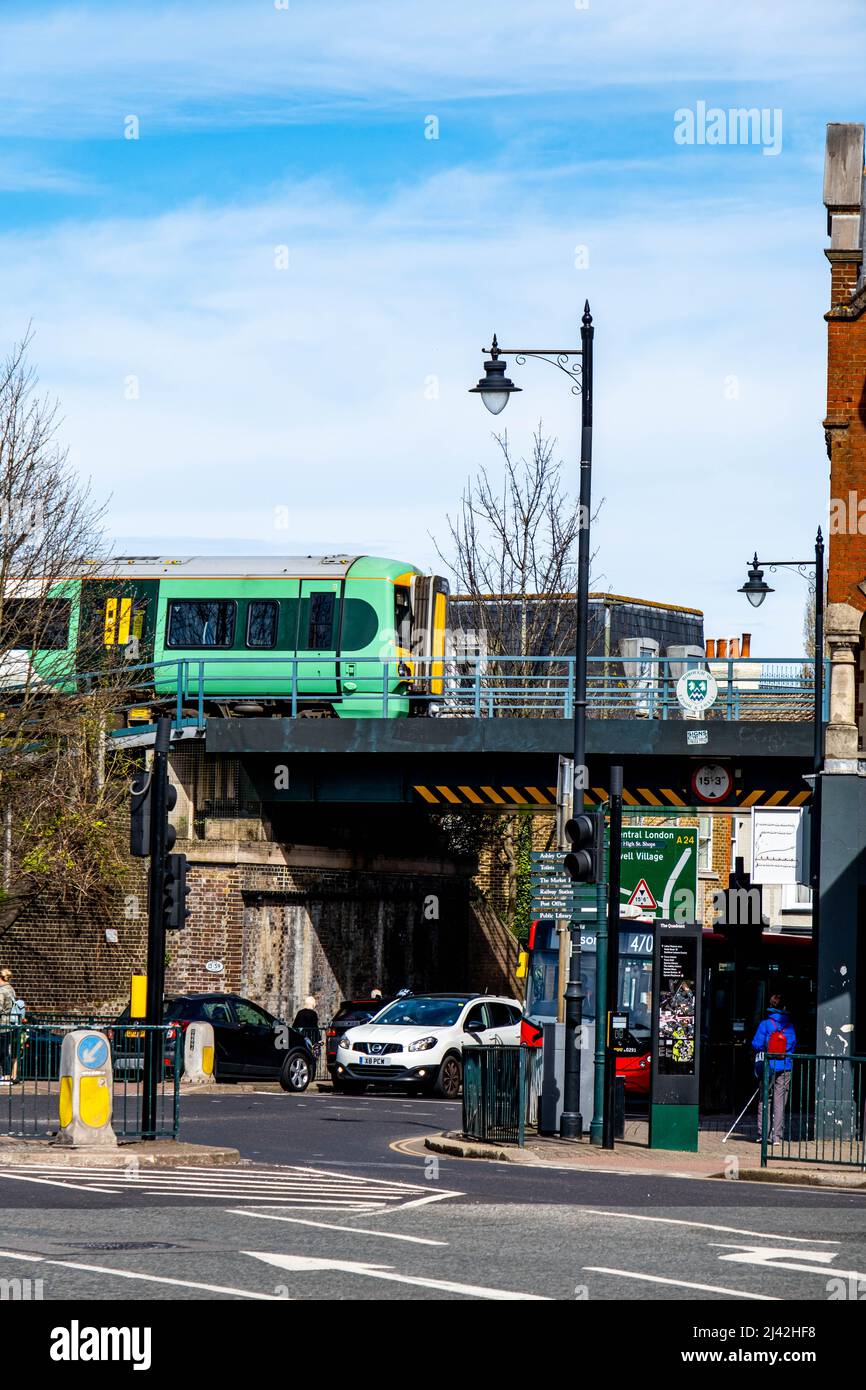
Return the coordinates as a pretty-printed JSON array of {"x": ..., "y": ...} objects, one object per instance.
[
  {"x": 198, "y": 1054},
  {"x": 86, "y": 1090}
]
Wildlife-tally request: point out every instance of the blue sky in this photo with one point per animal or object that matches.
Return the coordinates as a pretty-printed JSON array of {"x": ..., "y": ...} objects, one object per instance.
[{"x": 214, "y": 395}]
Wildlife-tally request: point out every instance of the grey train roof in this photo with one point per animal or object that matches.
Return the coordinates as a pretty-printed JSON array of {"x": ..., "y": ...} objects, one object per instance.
[{"x": 225, "y": 566}]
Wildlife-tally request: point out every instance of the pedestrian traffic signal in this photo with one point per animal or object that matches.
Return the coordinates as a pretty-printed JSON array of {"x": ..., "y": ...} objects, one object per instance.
[
  {"x": 585, "y": 833},
  {"x": 176, "y": 892},
  {"x": 139, "y": 816}
]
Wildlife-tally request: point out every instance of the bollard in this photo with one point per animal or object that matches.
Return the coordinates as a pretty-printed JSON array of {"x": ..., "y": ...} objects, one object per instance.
[
  {"x": 198, "y": 1054},
  {"x": 85, "y": 1090}
]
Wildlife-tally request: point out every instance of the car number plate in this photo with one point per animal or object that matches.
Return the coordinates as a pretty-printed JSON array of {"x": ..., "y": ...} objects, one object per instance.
[{"x": 374, "y": 1061}]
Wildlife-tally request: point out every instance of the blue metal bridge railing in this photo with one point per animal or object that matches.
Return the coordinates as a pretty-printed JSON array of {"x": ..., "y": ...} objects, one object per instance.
[{"x": 475, "y": 687}]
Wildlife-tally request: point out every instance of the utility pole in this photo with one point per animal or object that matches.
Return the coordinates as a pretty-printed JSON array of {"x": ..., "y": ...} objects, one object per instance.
[
  {"x": 612, "y": 992},
  {"x": 571, "y": 1121},
  {"x": 162, "y": 837}
]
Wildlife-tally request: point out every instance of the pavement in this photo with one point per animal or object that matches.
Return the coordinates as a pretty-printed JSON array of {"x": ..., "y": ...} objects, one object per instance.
[
  {"x": 156, "y": 1153},
  {"x": 738, "y": 1158}
]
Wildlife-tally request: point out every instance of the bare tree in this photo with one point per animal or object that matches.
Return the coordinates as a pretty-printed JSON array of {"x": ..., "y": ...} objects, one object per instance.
[
  {"x": 57, "y": 805},
  {"x": 512, "y": 554}
]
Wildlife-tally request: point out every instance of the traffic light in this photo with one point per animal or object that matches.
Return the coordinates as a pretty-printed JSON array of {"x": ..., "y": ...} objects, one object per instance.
[
  {"x": 170, "y": 803},
  {"x": 585, "y": 833},
  {"x": 139, "y": 817},
  {"x": 176, "y": 892}
]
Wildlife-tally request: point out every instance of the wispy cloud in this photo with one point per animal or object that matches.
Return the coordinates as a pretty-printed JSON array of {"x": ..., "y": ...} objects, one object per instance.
[{"x": 66, "y": 71}]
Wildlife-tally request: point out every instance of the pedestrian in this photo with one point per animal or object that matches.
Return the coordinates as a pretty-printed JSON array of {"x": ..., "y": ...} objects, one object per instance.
[
  {"x": 375, "y": 994},
  {"x": 19, "y": 1018},
  {"x": 7, "y": 1006},
  {"x": 773, "y": 1044},
  {"x": 307, "y": 1017}
]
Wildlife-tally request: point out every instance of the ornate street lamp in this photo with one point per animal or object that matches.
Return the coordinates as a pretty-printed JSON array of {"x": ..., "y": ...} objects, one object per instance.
[
  {"x": 756, "y": 591},
  {"x": 494, "y": 388},
  {"x": 754, "y": 588}
]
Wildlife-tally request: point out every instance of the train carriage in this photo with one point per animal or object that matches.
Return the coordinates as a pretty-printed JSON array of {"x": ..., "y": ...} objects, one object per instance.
[{"x": 353, "y": 636}]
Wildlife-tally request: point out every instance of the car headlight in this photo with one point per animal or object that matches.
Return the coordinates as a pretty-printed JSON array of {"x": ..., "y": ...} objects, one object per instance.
[
  {"x": 423, "y": 1044},
  {"x": 344, "y": 1042}
]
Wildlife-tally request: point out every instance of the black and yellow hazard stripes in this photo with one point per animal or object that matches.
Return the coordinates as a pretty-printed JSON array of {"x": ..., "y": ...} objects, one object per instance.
[{"x": 504, "y": 797}]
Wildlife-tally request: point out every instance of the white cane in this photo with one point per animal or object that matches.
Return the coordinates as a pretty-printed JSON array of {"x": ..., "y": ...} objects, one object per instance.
[{"x": 739, "y": 1117}]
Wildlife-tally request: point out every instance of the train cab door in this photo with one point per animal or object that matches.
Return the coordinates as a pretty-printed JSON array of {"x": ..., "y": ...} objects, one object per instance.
[
  {"x": 318, "y": 638},
  {"x": 429, "y": 607}
]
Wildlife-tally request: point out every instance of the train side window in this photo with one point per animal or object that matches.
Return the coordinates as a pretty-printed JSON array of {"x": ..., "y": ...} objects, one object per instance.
[
  {"x": 320, "y": 628},
  {"x": 402, "y": 617},
  {"x": 201, "y": 623},
  {"x": 263, "y": 617},
  {"x": 360, "y": 625},
  {"x": 35, "y": 624}
]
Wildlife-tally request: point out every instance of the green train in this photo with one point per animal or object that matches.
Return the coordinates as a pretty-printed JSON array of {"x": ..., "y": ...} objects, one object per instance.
[{"x": 315, "y": 635}]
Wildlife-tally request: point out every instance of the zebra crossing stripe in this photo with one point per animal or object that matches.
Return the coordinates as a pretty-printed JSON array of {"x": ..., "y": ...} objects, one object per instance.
[{"x": 296, "y": 1187}]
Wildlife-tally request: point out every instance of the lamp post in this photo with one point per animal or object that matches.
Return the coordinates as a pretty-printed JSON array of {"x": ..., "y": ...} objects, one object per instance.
[
  {"x": 494, "y": 389},
  {"x": 756, "y": 590}
]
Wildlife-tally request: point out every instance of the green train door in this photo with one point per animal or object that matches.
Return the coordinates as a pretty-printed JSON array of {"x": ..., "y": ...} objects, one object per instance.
[{"x": 318, "y": 635}]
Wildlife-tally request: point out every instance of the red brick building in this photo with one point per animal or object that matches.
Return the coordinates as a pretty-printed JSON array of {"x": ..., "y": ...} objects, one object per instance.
[
  {"x": 842, "y": 931},
  {"x": 845, "y": 432}
]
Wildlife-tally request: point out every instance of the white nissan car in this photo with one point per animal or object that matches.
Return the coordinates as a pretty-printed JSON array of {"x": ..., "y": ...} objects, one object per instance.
[{"x": 416, "y": 1042}]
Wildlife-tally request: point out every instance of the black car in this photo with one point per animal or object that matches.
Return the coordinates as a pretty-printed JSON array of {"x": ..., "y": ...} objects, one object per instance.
[
  {"x": 350, "y": 1013},
  {"x": 249, "y": 1043}
]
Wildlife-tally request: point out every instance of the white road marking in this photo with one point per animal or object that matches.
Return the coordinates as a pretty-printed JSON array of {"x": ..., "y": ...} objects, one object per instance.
[
  {"x": 705, "y": 1226},
  {"x": 311, "y": 1263},
  {"x": 148, "y": 1278},
  {"x": 301, "y": 1188},
  {"x": 329, "y": 1226},
  {"x": 785, "y": 1259},
  {"x": 82, "y": 1187},
  {"x": 681, "y": 1283},
  {"x": 162, "y": 1279}
]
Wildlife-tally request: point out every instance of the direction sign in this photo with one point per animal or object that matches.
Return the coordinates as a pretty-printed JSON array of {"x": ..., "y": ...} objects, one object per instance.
[
  {"x": 661, "y": 861},
  {"x": 547, "y": 861}
]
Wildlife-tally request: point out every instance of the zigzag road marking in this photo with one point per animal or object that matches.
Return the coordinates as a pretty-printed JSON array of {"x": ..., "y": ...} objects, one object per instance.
[{"x": 293, "y": 1186}]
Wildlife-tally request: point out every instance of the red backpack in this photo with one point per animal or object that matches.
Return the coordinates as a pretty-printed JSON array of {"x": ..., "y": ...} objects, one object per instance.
[{"x": 777, "y": 1043}]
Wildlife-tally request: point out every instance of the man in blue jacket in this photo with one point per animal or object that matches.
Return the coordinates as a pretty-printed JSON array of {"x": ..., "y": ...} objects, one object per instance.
[{"x": 773, "y": 1043}]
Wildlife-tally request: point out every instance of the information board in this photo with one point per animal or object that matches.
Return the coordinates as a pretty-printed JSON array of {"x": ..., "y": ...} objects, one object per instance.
[{"x": 676, "y": 1031}]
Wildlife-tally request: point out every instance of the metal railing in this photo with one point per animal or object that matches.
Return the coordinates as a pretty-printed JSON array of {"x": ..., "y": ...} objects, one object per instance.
[
  {"x": 316, "y": 1036},
  {"x": 814, "y": 1112},
  {"x": 495, "y": 1091},
  {"x": 482, "y": 687},
  {"x": 30, "y": 1063}
]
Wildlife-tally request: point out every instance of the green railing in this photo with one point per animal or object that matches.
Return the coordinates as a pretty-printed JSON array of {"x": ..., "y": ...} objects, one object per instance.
[
  {"x": 495, "y": 1092},
  {"x": 30, "y": 1065},
  {"x": 480, "y": 687},
  {"x": 815, "y": 1112}
]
